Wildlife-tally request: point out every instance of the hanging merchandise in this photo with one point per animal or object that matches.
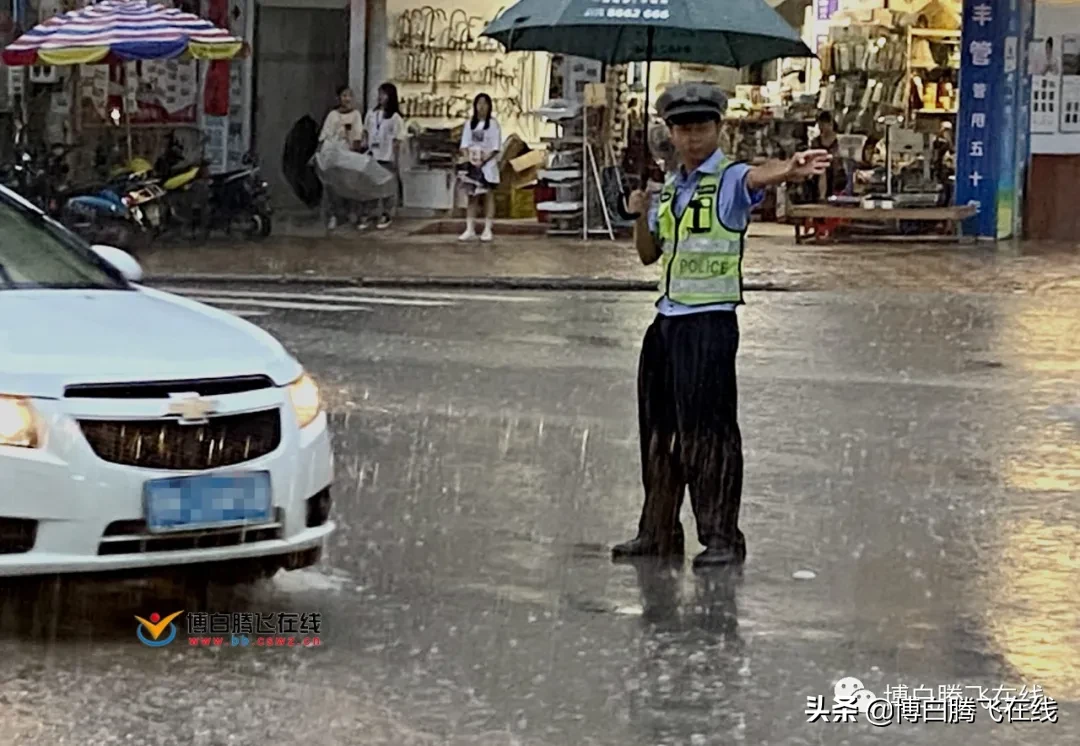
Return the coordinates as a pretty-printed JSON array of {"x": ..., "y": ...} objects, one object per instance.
[
  {"x": 826, "y": 54},
  {"x": 921, "y": 56},
  {"x": 153, "y": 92},
  {"x": 58, "y": 119},
  {"x": 94, "y": 84}
]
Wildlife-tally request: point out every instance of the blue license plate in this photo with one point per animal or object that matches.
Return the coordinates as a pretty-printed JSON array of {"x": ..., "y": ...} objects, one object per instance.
[{"x": 211, "y": 501}]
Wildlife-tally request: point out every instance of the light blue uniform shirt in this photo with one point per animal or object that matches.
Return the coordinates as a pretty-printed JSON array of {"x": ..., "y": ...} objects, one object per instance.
[{"x": 733, "y": 207}]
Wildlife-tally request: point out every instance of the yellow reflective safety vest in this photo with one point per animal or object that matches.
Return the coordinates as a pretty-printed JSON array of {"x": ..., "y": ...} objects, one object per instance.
[{"x": 701, "y": 262}]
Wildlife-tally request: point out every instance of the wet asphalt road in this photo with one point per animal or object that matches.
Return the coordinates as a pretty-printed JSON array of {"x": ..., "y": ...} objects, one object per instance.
[{"x": 919, "y": 454}]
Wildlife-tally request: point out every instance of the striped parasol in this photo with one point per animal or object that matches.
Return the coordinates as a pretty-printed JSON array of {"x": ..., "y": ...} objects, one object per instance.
[{"x": 121, "y": 31}]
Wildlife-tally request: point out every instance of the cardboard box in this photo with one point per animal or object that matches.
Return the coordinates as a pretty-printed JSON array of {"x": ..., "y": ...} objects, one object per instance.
[
  {"x": 514, "y": 147},
  {"x": 526, "y": 168},
  {"x": 595, "y": 94},
  {"x": 534, "y": 159},
  {"x": 522, "y": 204},
  {"x": 523, "y": 178}
]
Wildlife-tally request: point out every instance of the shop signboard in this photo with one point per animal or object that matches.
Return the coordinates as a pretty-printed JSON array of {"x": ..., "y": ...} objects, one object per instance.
[
  {"x": 1010, "y": 221},
  {"x": 992, "y": 143},
  {"x": 824, "y": 10}
]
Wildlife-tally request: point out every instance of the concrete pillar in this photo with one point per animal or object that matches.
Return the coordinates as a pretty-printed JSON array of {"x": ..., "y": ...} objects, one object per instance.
[
  {"x": 378, "y": 48},
  {"x": 357, "y": 46}
]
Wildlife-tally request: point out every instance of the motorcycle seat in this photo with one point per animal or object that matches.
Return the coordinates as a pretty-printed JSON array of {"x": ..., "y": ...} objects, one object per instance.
[{"x": 228, "y": 176}]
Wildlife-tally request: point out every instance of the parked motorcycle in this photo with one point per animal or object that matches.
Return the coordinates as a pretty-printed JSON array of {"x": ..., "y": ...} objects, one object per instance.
[
  {"x": 121, "y": 212},
  {"x": 125, "y": 214},
  {"x": 21, "y": 176},
  {"x": 200, "y": 202},
  {"x": 242, "y": 197}
]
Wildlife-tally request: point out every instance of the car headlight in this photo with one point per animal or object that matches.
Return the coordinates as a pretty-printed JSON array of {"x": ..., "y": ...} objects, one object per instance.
[
  {"x": 18, "y": 423},
  {"x": 307, "y": 403}
]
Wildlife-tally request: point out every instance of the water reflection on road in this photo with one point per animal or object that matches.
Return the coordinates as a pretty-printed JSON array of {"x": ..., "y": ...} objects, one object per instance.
[{"x": 913, "y": 456}]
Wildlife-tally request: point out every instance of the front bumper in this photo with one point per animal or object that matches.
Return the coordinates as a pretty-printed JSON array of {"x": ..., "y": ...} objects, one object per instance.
[{"x": 88, "y": 513}]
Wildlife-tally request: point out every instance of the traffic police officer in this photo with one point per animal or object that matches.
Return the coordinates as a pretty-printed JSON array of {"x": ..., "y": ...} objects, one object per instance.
[{"x": 687, "y": 403}]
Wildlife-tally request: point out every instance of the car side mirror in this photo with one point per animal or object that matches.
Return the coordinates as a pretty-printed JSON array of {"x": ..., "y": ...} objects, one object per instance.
[{"x": 121, "y": 260}]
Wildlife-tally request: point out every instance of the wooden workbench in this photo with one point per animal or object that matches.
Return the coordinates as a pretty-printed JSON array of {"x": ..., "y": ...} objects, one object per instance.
[{"x": 803, "y": 217}]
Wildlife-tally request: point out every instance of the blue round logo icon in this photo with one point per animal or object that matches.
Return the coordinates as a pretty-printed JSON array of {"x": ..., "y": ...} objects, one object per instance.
[{"x": 156, "y": 626}]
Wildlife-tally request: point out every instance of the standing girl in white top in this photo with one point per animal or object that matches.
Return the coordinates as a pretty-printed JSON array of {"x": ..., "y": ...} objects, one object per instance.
[
  {"x": 384, "y": 131},
  {"x": 342, "y": 126},
  {"x": 481, "y": 143}
]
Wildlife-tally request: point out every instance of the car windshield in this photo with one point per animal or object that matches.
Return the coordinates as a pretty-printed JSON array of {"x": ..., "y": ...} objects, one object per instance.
[{"x": 37, "y": 252}]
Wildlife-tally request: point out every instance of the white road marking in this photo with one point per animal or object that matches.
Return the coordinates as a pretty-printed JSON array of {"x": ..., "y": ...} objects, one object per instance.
[
  {"x": 437, "y": 295},
  {"x": 225, "y": 295},
  {"x": 245, "y": 314},
  {"x": 289, "y": 305}
]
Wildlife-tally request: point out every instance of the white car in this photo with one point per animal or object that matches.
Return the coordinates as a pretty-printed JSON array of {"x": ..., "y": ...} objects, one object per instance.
[{"x": 140, "y": 431}]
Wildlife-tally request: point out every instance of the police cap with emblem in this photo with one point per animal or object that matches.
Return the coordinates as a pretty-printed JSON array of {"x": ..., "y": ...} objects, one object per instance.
[{"x": 692, "y": 102}]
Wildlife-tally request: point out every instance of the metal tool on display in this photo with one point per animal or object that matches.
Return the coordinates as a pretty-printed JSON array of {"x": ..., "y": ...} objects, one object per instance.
[
  {"x": 431, "y": 15},
  {"x": 454, "y": 28}
]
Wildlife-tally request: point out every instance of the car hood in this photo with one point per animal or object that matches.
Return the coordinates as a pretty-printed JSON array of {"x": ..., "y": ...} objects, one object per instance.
[{"x": 50, "y": 339}]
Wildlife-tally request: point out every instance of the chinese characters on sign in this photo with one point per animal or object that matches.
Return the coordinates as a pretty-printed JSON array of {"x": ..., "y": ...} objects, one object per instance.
[
  {"x": 950, "y": 703},
  {"x": 278, "y": 629},
  {"x": 975, "y": 172},
  {"x": 991, "y": 138},
  {"x": 825, "y": 9}
]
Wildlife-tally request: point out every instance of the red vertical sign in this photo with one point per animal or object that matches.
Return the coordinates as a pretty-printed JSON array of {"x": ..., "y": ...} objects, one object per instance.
[{"x": 216, "y": 101}]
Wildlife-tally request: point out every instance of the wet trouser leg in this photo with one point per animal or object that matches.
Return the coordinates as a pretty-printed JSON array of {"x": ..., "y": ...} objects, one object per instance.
[
  {"x": 703, "y": 348},
  {"x": 661, "y": 471},
  {"x": 687, "y": 413}
]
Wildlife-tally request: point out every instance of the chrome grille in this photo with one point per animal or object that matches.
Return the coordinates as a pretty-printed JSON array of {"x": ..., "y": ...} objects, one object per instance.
[
  {"x": 132, "y": 537},
  {"x": 166, "y": 444},
  {"x": 162, "y": 389}
]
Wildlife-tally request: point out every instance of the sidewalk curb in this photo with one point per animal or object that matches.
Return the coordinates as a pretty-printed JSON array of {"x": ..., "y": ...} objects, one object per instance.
[{"x": 418, "y": 282}]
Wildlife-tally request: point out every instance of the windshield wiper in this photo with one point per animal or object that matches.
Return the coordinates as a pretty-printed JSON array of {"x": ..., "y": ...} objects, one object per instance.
[{"x": 4, "y": 276}]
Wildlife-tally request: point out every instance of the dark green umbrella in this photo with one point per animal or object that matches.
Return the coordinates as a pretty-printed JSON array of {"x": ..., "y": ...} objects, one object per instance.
[{"x": 731, "y": 33}]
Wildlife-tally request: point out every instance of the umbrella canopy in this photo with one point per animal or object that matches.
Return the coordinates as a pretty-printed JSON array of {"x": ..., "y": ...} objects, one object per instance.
[
  {"x": 731, "y": 33},
  {"x": 121, "y": 31}
]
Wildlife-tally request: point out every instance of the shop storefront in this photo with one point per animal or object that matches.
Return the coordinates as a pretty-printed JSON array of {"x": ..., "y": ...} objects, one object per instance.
[
  {"x": 914, "y": 89},
  {"x": 1054, "y": 67},
  {"x": 439, "y": 63},
  {"x": 139, "y": 105},
  {"x": 889, "y": 77}
]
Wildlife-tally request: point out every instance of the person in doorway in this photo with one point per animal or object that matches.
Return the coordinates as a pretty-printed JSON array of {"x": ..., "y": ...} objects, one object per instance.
[
  {"x": 342, "y": 126},
  {"x": 384, "y": 131},
  {"x": 687, "y": 394},
  {"x": 834, "y": 180},
  {"x": 481, "y": 143}
]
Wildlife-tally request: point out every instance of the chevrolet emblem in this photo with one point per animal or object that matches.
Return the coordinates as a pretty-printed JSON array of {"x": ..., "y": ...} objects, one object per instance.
[{"x": 191, "y": 408}]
